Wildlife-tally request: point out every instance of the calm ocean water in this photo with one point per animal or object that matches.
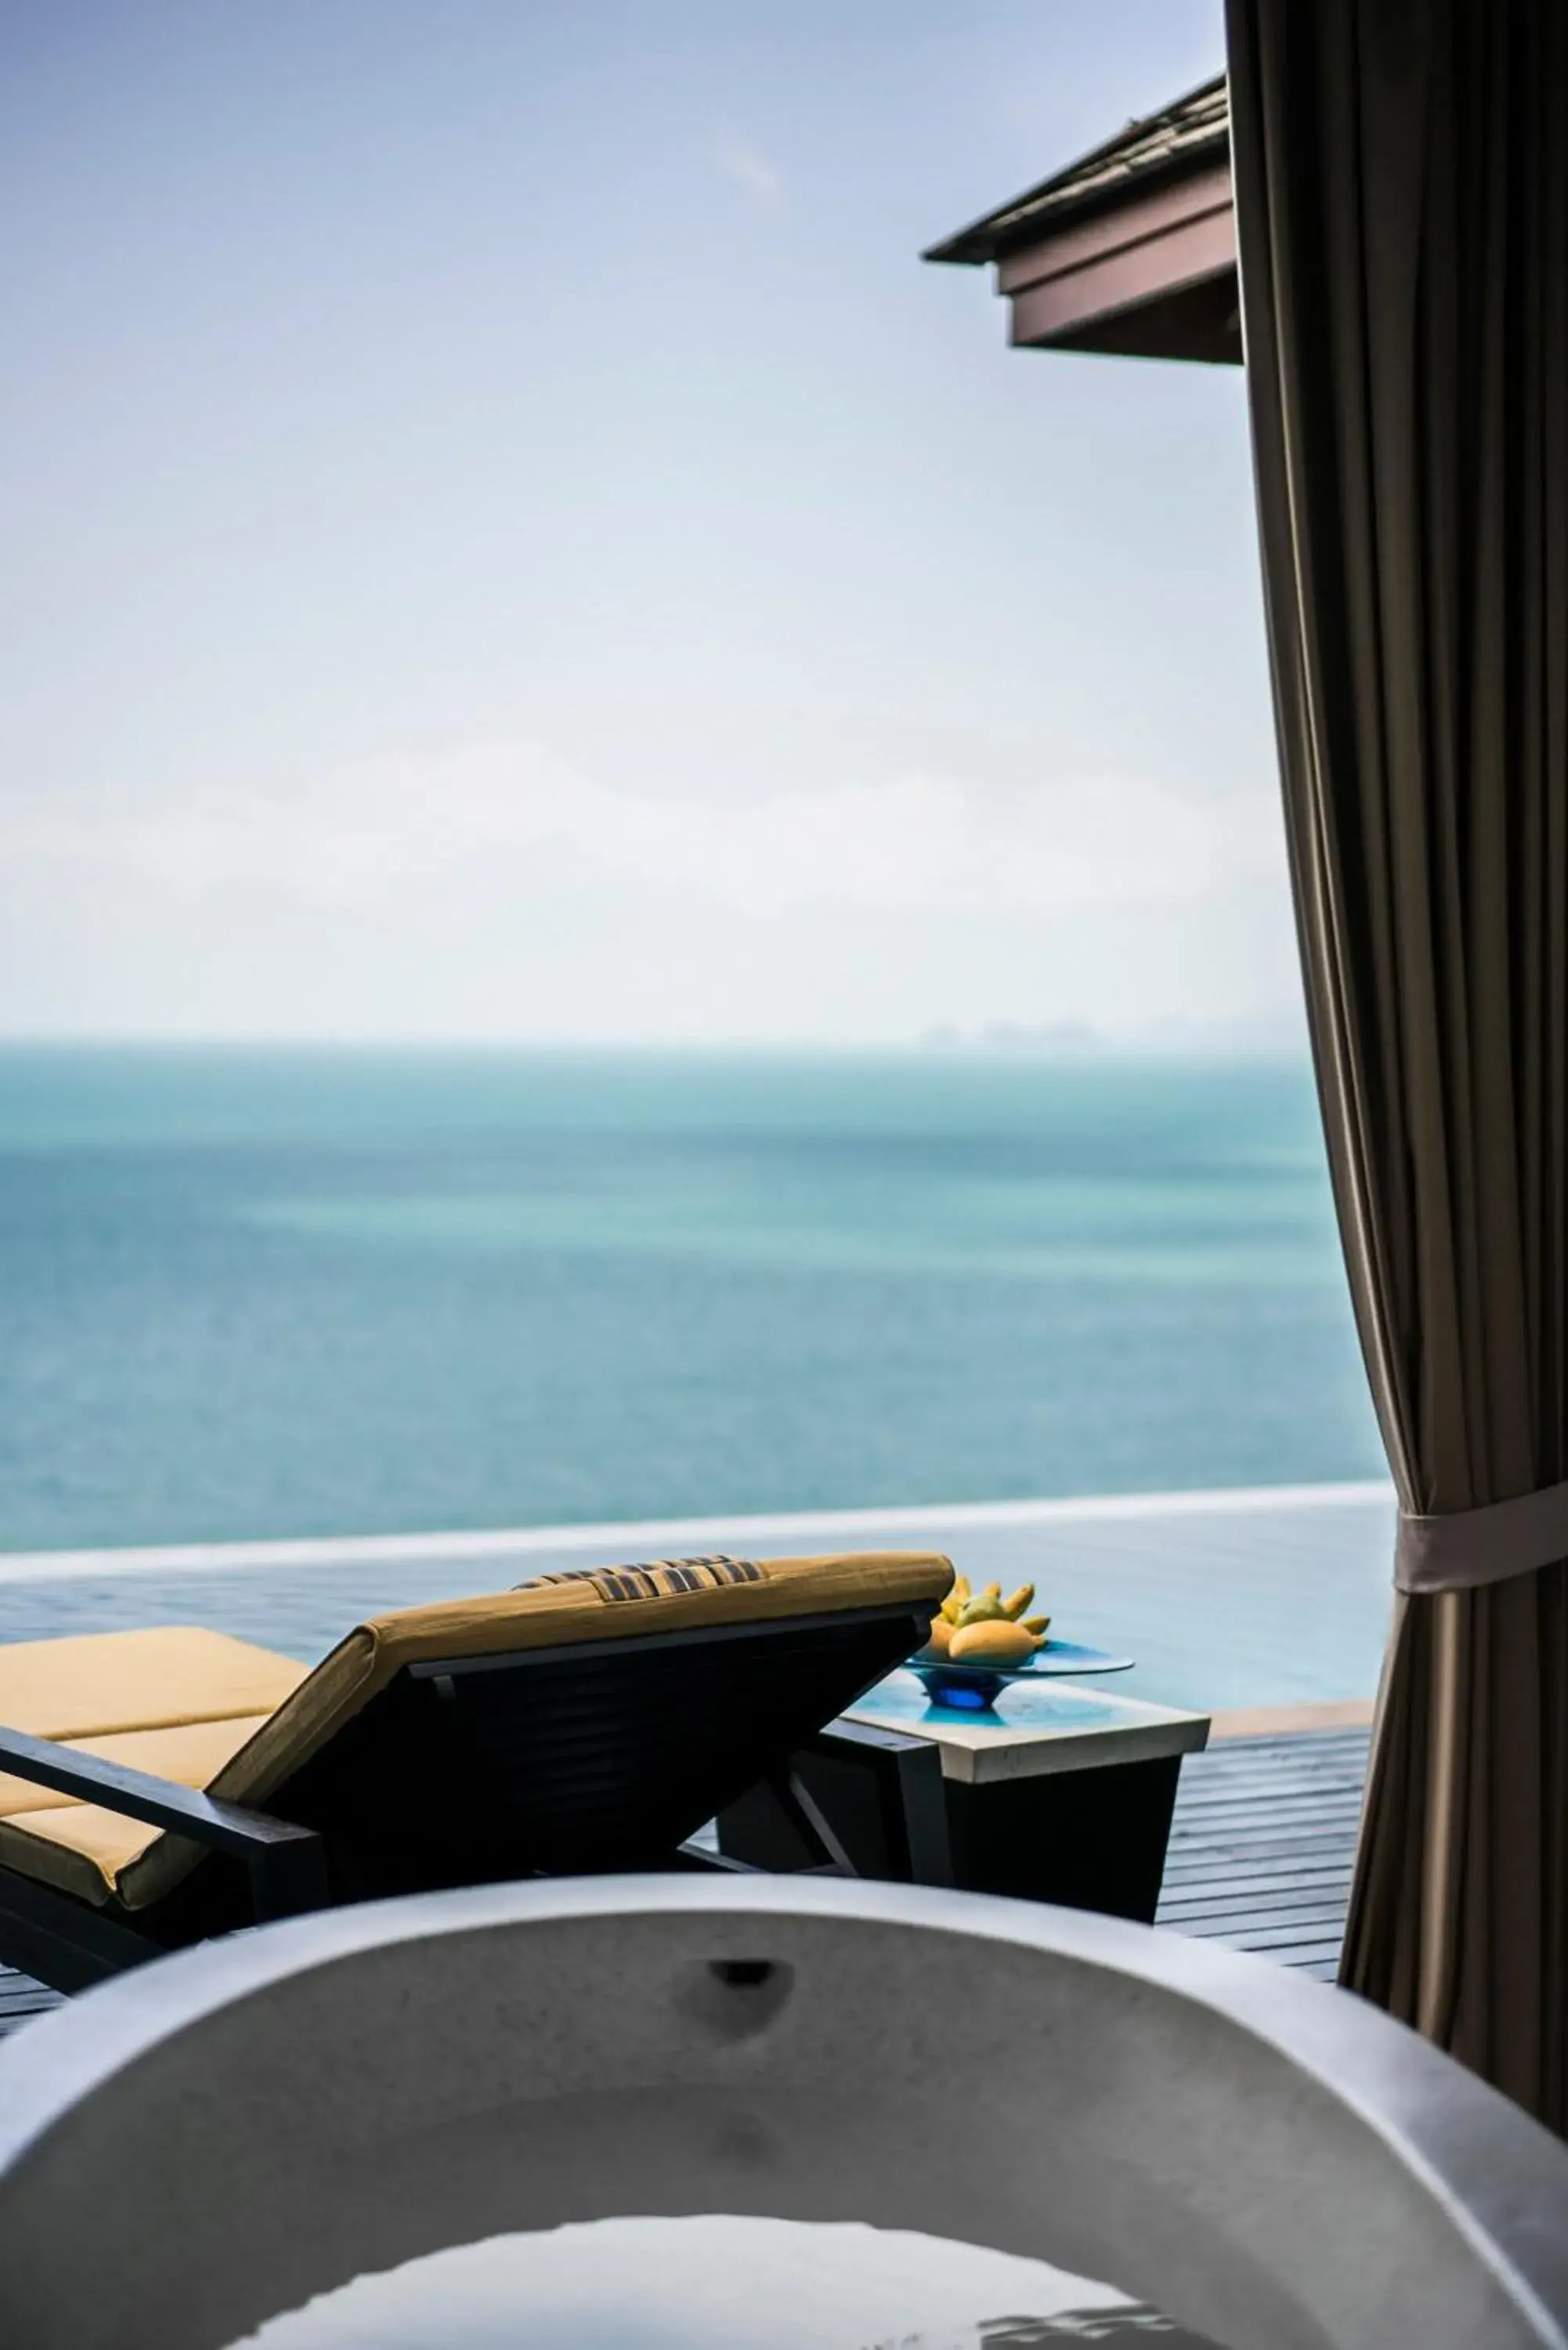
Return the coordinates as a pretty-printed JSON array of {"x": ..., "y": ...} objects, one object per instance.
[{"x": 262, "y": 1293}]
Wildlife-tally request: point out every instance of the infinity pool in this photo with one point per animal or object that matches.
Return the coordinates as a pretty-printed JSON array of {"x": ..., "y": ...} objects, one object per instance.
[{"x": 1241, "y": 1599}]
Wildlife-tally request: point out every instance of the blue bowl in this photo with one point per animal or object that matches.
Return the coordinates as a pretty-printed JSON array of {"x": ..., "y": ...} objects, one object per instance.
[{"x": 974, "y": 1688}]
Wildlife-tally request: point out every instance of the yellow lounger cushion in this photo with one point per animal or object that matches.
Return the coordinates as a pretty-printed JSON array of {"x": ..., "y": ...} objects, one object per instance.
[
  {"x": 80, "y": 1848},
  {"x": 99, "y": 1683},
  {"x": 193, "y": 1754},
  {"x": 173, "y": 1680}
]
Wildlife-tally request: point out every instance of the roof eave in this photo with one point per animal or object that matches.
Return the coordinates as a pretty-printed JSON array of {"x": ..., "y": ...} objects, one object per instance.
[{"x": 1020, "y": 222}]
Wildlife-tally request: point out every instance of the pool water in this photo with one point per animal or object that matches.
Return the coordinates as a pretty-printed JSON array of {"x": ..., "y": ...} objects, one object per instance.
[{"x": 722, "y": 2283}]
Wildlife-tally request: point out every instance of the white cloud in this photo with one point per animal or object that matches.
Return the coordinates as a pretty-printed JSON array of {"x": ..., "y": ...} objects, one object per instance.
[
  {"x": 751, "y": 171},
  {"x": 384, "y": 828}
]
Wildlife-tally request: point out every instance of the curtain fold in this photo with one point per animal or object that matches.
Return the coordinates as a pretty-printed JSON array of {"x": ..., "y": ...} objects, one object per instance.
[{"x": 1401, "y": 174}]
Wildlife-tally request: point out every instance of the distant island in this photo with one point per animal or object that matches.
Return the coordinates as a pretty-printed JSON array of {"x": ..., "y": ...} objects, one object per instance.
[{"x": 1276, "y": 1034}]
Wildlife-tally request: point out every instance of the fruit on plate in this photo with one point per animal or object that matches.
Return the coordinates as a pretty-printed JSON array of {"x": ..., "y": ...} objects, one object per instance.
[
  {"x": 964, "y": 1611},
  {"x": 994, "y": 1642},
  {"x": 958, "y": 1599}
]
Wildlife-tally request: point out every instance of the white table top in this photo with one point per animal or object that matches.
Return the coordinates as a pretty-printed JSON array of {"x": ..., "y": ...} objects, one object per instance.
[{"x": 1036, "y": 1726}]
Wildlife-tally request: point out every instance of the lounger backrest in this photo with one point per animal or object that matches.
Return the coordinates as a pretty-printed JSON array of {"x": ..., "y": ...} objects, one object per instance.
[{"x": 558, "y": 1613}]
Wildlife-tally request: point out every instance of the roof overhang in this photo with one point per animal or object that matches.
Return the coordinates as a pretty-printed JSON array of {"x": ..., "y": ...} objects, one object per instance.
[{"x": 1131, "y": 250}]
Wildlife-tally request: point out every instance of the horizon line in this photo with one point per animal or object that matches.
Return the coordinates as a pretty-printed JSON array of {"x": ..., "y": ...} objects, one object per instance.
[{"x": 1022, "y": 1046}]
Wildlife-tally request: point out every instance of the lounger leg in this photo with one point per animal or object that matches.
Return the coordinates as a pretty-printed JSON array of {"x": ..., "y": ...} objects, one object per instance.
[
  {"x": 795, "y": 1800},
  {"x": 876, "y": 1809},
  {"x": 289, "y": 1878}
]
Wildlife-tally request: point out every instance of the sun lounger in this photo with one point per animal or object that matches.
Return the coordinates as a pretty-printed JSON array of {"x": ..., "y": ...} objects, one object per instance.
[{"x": 160, "y": 1786}]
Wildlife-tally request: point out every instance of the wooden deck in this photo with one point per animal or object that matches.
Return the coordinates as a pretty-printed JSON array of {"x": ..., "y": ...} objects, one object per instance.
[
  {"x": 1262, "y": 1844},
  {"x": 1260, "y": 1857},
  {"x": 21, "y": 1998}
]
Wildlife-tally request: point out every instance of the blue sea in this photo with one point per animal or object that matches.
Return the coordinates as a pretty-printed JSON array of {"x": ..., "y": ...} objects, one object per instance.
[{"x": 252, "y": 1292}]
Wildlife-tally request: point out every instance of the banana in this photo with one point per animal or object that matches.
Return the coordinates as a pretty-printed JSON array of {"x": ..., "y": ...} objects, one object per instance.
[
  {"x": 953, "y": 1604},
  {"x": 1014, "y": 1609},
  {"x": 1038, "y": 1624}
]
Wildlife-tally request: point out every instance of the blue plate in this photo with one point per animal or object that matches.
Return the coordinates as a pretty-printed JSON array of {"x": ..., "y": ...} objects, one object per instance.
[{"x": 974, "y": 1688}]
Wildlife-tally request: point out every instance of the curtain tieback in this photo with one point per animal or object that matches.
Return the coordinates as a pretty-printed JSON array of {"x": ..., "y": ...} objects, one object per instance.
[{"x": 1466, "y": 1548}]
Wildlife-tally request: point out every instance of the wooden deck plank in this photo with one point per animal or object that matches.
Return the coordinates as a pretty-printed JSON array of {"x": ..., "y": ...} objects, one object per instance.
[
  {"x": 1232, "y": 1876},
  {"x": 1337, "y": 1788},
  {"x": 1202, "y": 1874},
  {"x": 1222, "y": 1917},
  {"x": 1269, "y": 1933},
  {"x": 1256, "y": 1838},
  {"x": 1283, "y": 1894},
  {"x": 1226, "y": 1917},
  {"x": 1328, "y": 1780},
  {"x": 1307, "y": 1815},
  {"x": 1243, "y": 1887},
  {"x": 1340, "y": 1791},
  {"x": 1337, "y": 1773}
]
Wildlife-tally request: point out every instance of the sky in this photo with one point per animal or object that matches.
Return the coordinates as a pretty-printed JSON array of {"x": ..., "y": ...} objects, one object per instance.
[{"x": 506, "y": 539}]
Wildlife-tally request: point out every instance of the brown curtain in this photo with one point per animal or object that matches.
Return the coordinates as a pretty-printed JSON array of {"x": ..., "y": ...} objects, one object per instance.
[{"x": 1401, "y": 173}]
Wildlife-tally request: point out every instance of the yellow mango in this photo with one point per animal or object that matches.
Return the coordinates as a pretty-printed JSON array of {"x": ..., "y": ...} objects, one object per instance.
[{"x": 996, "y": 1642}]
